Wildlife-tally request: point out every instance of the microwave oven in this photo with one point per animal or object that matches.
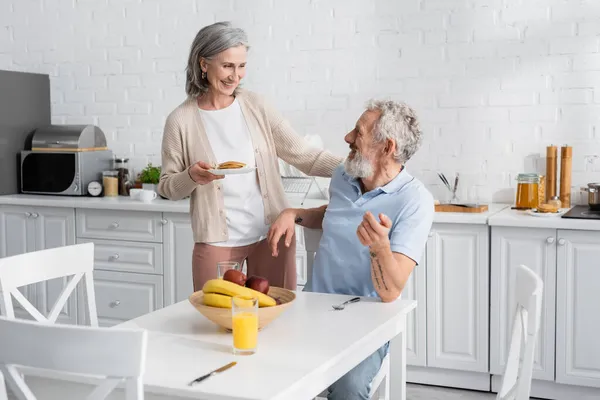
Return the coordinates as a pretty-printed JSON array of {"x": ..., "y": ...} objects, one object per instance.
[{"x": 66, "y": 173}]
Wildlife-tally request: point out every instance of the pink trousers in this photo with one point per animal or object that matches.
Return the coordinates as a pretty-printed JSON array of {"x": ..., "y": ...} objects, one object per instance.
[{"x": 280, "y": 270}]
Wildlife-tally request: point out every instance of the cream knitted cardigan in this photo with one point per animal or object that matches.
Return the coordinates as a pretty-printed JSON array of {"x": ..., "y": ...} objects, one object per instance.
[{"x": 185, "y": 143}]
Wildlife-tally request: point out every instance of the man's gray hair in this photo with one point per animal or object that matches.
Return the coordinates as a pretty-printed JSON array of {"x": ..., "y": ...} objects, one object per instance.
[
  {"x": 397, "y": 122},
  {"x": 210, "y": 41}
]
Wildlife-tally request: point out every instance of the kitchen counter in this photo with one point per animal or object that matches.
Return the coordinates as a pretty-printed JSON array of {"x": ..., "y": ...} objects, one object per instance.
[
  {"x": 516, "y": 218},
  {"x": 183, "y": 206}
]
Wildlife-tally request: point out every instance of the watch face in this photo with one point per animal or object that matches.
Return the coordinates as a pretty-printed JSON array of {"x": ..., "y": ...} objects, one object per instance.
[{"x": 94, "y": 188}]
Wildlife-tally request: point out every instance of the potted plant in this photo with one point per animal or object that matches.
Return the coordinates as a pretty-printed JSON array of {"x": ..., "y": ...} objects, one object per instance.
[{"x": 150, "y": 177}]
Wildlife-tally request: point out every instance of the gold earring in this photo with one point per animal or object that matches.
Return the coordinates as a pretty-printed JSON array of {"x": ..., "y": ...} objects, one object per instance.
[{"x": 203, "y": 75}]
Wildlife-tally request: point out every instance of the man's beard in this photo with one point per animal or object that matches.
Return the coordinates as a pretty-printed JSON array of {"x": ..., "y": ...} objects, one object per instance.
[{"x": 359, "y": 166}]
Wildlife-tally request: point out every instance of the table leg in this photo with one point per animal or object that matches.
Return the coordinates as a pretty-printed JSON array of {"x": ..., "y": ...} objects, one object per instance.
[{"x": 398, "y": 366}]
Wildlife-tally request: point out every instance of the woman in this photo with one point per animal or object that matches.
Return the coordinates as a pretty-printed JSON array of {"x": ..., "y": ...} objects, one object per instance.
[{"x": 220, "y": 122}]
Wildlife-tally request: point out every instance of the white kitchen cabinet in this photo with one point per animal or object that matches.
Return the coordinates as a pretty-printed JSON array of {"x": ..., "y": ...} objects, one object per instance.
[
  {"x": 536, "y": 249},
  {"x": 121, "y": 296},
  {"x": 416, "y": 321},
  {"x": 55, "y": 227},
  {"x": 26, "y": 229},
  {"x": 457, "y": 297},
  {"x": 577, "y": 313},
  {"x": 178, "y": 246}
]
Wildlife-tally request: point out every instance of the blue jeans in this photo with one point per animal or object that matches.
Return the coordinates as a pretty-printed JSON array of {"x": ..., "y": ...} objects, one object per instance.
[{"x": 356, "y": 384}]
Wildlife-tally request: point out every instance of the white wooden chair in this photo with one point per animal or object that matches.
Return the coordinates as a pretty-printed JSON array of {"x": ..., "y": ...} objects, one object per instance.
[
  {"x": 119, "y": 355},
  {"x": 516, "y": 383},
  {"x": 39, "y": 266},
  {"x": 3, "y": 395}
]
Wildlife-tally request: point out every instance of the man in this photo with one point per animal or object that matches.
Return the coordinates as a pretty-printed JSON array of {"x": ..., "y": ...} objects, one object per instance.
[{"x": 375, "y": 226}]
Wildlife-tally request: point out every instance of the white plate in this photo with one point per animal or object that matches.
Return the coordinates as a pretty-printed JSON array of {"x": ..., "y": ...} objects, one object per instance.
[
  {"x": 546, "y": 215},
  {"x": 233, "y": 171}
]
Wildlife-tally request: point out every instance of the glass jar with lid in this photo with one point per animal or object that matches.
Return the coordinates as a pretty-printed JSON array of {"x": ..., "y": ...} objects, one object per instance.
[
  {"x": 527, "y": 191},
  {"x": 122, "y": 167}
]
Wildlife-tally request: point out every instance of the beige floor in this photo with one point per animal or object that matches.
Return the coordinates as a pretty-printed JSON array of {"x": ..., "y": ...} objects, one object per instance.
[{"x": 421, "y": 392}]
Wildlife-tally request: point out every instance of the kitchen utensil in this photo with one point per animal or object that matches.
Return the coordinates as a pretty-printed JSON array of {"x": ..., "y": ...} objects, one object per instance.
[
  {"x": 593, "y": 191},
  {"x": 266, "y": 315},
  {"x": 461, "y": 208},
  {"x": 234, "y": 171},
  {"x": 566, "y": 155},
  {"x": 445, "y": 181},
  {"x": 550, "y": 172},
  {"x": 339, "y": 307},
  {"x": 454, "y": 198},
  {"x": 216, "y": 371}
]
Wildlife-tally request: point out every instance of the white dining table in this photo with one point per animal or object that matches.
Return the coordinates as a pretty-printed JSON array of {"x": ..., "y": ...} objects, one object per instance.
[{"x": 299, "y": 354}]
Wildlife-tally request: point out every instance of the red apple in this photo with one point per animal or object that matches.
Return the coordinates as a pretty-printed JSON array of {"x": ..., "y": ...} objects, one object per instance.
[
  {"x": 258, "y": 283},
  {"x": 235, "y": 276}
]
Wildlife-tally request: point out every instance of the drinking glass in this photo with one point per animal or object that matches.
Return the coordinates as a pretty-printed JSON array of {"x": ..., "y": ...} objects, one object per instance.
[
  {"x": 244, "y": 323},
  {"x": 224, "y": 266}
]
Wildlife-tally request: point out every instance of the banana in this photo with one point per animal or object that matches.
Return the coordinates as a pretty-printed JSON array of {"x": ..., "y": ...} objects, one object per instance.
[
  {"x": 222, "y": 301},
  {"x": 221, "y": 286}
]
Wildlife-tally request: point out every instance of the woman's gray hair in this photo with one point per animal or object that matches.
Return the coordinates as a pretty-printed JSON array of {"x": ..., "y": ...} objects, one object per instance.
[
  {"x": 397, "y": 122},
  {"x": 210, "y": 41}
]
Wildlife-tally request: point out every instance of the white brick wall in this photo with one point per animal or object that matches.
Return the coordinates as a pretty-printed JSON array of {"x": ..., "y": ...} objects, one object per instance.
[{"x": 493, "y": 81}]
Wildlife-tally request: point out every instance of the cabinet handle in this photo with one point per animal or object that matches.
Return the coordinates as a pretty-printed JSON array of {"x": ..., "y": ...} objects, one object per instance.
[
  {"x": 114, "y": 225},
  {"x": 28, "y": 214},
  {"x": 550, "y": 240},
  {"x": 114, "y": 257},
  {"x": 115, "y": 304},
  {"x": 561, "y": 242},
  {"x": 164, "y": 221},
  {"x": 430, "y": 234},
  {"x": 35, "y": 215}
]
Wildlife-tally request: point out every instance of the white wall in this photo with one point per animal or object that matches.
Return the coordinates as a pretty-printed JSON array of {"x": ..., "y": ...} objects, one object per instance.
[{"x": 493, "y": 81}]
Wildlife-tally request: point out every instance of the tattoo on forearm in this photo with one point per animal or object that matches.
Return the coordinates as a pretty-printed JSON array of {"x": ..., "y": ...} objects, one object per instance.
[
  {"x": 375, "y": 261},
  {"x": 298, "y": 220}
]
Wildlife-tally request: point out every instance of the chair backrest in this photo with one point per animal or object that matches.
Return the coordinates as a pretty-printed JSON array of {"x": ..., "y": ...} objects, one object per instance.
[
  {"x": 516, "y": 383},
  {"x": 39, "y": 266},
  {"x": 3, "y": 395},
  {"x": 118, "y": 354}
]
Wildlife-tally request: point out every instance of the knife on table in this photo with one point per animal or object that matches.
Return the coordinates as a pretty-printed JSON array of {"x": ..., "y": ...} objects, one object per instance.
[{"x": 216, "y": 371}]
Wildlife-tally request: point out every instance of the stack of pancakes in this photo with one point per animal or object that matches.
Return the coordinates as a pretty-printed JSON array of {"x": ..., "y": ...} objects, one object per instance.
[{"x": 231, "y": 165}]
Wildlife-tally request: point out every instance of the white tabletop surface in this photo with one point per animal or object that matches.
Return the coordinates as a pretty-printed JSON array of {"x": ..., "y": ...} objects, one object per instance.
[
  {"x": 522, "y": 219},
  {"x": 299, "y": 354}
]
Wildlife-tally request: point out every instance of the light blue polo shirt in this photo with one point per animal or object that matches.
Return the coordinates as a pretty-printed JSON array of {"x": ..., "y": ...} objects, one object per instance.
[{"x": 342, "y": 264}]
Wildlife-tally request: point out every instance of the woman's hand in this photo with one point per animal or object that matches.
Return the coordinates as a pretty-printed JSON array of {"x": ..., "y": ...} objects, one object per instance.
[
  {"x": 199, "y": 173},
  {"x": 285, "y": 224}
]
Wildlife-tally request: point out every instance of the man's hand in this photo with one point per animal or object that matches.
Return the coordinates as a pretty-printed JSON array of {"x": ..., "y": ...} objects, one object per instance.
[
  {"x": 285, "y": 224},
  {"x": 199, "y": 174},
  {"x": 373, "y": 233}
]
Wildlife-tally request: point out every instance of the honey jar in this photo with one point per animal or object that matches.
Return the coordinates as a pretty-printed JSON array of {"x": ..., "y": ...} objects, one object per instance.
[{"x": 527, "y": 191}]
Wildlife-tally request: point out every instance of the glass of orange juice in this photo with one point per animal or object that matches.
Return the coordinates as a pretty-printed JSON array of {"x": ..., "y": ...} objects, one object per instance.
[
  {"x": 244, "y": 314},
  {"x": 224, "y": 266}
]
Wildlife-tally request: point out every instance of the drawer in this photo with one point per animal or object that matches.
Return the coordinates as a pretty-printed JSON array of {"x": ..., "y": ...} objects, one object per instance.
[
  {"x": 119, "y": 225},
  {"x": 121, "y": 296},
  {"x": 301, "y": 268},
  {"x": 145, "y": 258}
]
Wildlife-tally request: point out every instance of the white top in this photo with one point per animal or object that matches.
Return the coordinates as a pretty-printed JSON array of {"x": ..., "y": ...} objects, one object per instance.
[
  {"x": 230, "y": 140},
  {"x": 521, "y": 219}
]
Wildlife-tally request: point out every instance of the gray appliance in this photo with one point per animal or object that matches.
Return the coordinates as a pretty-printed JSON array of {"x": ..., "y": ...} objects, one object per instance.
[
  {"x": 64, "y": 159},
  {"x": 24, "y": 106}
]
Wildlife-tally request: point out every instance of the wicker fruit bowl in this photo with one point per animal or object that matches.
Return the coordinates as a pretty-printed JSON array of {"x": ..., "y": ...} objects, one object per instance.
[{"x": 222, "y": 316}]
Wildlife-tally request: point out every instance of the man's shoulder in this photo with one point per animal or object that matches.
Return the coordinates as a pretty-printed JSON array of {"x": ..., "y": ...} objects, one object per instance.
[{"x": 416, "y": 198}]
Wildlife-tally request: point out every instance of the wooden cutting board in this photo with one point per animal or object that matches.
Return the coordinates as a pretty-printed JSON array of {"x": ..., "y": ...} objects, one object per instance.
[{"x": 452, "y": 208}]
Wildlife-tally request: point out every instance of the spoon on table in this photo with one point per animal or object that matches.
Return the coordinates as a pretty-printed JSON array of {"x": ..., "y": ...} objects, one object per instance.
[{"x": 343, "y": 305}]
